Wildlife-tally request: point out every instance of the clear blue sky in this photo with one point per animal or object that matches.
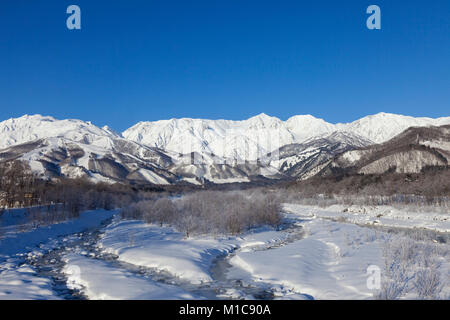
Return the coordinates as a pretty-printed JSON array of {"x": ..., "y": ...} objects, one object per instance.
[{"x": 150, "y": 60}]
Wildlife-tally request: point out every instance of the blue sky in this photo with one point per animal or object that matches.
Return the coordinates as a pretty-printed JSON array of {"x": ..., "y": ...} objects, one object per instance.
[{"x": 148, "y": 60}]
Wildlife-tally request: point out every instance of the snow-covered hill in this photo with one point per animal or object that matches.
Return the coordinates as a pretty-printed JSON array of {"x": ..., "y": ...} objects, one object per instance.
[
  {"x": 118, "y": 161},
  {"x": 74, "y": 148},
  {"x": 302, "y": 160},
  {"x": 409, "y": 152}
]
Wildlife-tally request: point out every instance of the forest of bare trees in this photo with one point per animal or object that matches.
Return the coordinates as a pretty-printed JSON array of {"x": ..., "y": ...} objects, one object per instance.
[
  {"x": 51, "y": 201},
  {"x": 429, "y": 187},
  {"x": 17, "y": 185},
  {"x": 210, "y": 212}
]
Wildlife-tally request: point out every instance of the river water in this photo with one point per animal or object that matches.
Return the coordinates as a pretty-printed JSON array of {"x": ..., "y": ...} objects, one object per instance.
[{"x": 51, "y": 264}]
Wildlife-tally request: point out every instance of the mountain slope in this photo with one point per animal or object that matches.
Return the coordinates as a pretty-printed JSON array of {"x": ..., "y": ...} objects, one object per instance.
[
  {"x": 245, "y": 140},
  {"x": 302, "y": 160},
  {"x": 74, "y": 148},
  {"x": 29, "y": 128},
  {"x": 121, "y": 160},
  {"x": 384, "y": 126},
  {"x": 412, "y": 151}
]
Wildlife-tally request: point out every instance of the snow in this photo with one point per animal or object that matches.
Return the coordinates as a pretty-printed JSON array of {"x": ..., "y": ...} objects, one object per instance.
[
  {"x": 228, "y": 138},
  {"x": 329, "y": 262},
  {"x": 191, "y": 180},
  {"x": 384, "y": 126},
  {"x": 19, "y": 280},
  {"x": 229, "y": 180},
  {"x": 55, "y": 138},
  {"x": 381, "y": 216},
  {"x": 167, "y": 250},
  {"x": 36, "y": 166},
  {"x": 412, "y": 161},
  {"x": 322, "y": 265},
  {"x": 444, "y": 145},
  {"x": 96, "y": 178},
  {"x": 17, "y": 243},
  {"x": 32, "y": 127},
  {"x": 352, "y": 156},
  {"x": 215, "y": 141},
  {"x": 324, "y": 254},
  {"x": 307, "y": 126},
  {"x": 100, "y": 281},
  {"x": 164, "y": 249},
  {"x": 152, "y": 177}
]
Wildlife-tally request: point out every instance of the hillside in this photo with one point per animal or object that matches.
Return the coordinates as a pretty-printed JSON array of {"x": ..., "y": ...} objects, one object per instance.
[{"x": 410, "y": 152}]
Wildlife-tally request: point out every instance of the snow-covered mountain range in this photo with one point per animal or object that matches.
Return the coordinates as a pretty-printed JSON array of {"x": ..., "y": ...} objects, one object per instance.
[
  {"x": 212, "y": 135},
  {"x": 193, "y": 150}
]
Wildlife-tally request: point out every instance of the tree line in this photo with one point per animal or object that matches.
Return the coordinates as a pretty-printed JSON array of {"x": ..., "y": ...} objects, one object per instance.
[{"x": 21, "y": 188}]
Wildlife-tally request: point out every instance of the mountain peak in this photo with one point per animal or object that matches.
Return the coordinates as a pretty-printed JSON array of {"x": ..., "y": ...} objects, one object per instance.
[
  {"x": 263, "y": 121},
  {"x": 303, "y": 118},
  {"x": 263, "y": 117},
  {"x": 381, "y": 115},
  {"x": 33, "y": 117}
]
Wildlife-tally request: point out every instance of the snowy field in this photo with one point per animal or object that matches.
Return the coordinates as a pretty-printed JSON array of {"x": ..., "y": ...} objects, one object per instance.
[
  {"x": 380, "y": 216},
  {"x": 317, "y": 254}
]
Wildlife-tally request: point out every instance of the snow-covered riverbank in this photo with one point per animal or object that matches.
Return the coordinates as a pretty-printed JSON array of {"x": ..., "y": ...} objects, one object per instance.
[
  {"x": 19, "y": 280},
  {"x": 387, "y": 216},
  {"x": 318, "y": 254}
]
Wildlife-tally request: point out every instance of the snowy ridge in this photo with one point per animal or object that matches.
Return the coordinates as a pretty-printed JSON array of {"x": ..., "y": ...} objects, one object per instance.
[
  {"x": 214, "y": 136},
  {"x": 210, "y": 136},
  {"x": 29, "y": 128},
  {"x": 384, "y": 126}
]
